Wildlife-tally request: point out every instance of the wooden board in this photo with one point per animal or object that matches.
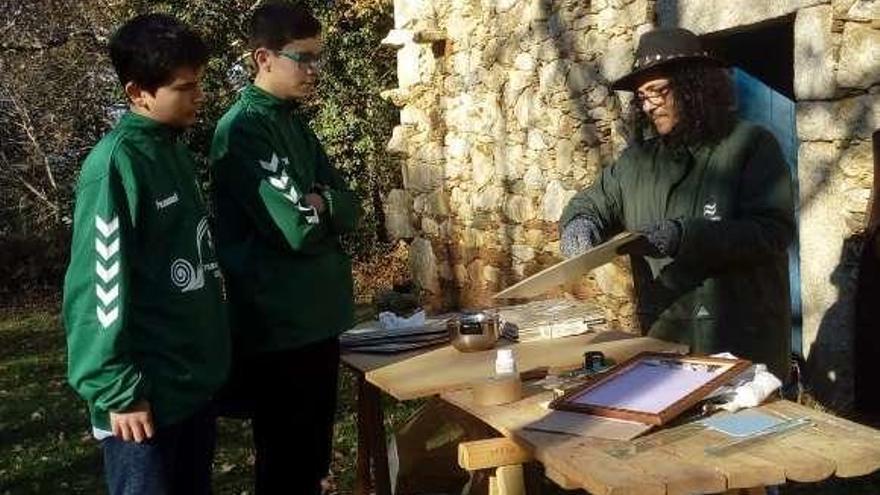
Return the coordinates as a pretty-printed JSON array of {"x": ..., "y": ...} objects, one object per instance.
[
  {"x": 568, "y": 271},
  {"x": 491, "y": 453},
  {"x": 678, "y": 463},
  {"x": 444, "y": 369}
]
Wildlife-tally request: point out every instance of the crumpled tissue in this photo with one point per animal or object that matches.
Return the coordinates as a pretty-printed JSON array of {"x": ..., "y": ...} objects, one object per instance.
[
  {"x": 390, "y": 321},
  {"x": 750, "y": 389}
]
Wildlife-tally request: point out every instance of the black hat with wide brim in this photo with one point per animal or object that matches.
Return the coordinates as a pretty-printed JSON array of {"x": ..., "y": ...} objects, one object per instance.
[{"x": 661, "y": 48}]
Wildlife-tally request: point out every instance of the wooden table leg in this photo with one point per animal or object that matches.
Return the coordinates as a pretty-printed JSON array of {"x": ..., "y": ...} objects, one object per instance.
[
  {"x": 362, "y": 482},
  {"x": 371, "y": 441}
]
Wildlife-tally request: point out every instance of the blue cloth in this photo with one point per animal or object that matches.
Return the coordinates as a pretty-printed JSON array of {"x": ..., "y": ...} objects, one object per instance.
[{"x": 177, "y": 460}]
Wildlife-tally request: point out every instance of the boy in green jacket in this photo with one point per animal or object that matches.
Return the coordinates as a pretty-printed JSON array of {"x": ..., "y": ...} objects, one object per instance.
[
  {"x": 280, "y": 210},
  {"x": 147, "y": 337}
]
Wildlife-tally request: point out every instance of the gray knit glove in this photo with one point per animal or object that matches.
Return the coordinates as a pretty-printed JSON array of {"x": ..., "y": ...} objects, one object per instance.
[
  {"x": 578, "y": 235},
  {"x": 657, "y": 241}
]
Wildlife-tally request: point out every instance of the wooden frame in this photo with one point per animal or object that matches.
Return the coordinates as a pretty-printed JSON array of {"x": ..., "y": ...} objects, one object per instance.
[{"x": 651, "y": 387}]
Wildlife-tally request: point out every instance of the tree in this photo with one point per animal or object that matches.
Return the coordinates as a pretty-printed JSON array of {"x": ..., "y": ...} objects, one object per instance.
[{"x": 59, "y": 95}]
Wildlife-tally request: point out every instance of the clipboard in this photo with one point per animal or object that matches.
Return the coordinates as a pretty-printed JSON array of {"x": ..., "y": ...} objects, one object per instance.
[{"x": 567, "y": 271}]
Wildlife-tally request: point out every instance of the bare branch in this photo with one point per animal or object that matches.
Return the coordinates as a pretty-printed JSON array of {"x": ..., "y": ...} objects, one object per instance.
[
  {"x": 8, "y": 26},
  {"x": 28, "y": 127},
  {"x": 42, "y": 197}
]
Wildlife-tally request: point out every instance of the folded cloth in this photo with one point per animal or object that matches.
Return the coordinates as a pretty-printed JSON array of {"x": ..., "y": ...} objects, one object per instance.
[
  {"x": 750, "y": 389},
  {"x": 389, "y": 320}
]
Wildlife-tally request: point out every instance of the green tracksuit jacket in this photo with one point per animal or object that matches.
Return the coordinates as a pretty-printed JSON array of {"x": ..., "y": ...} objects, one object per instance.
[
  {"x": 290, "y": 282},
  {"x": 143, "y": 307},
  {"x": 727, "y": 287}
]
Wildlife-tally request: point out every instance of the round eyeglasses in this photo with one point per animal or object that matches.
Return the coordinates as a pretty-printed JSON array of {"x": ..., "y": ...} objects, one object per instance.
[
  {"x": 309, "y": 59},
  {"x": 654, "y": 96}
]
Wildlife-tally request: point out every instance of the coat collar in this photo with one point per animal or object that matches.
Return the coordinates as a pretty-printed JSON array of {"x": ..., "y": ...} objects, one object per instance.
[
  {"x": 261, "y": 97},
  {"x": 133, "y": 120}
]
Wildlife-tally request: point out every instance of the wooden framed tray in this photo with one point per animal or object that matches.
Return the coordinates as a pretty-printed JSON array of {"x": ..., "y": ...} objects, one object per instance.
[{"x": 651, "y": 387}]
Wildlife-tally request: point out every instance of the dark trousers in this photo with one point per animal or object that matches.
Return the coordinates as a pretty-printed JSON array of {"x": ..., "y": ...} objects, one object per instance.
[
  {"x": 177, "y": 460},
  {"x": 291, "y": 398}
]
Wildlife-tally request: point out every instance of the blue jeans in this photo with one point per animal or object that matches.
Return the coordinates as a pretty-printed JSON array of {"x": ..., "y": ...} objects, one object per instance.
[{"x": 177, "y": 460}]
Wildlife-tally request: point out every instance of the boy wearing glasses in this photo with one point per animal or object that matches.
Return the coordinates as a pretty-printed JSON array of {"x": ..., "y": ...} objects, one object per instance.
[
  {"x": 281, "y": 208},
  {"x": 147, "y": 334},
  {"x": 711, "y": 195}
]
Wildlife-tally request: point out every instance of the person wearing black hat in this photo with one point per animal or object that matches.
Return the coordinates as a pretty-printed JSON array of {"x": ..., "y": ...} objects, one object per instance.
[{"x": 711, "y": 196}]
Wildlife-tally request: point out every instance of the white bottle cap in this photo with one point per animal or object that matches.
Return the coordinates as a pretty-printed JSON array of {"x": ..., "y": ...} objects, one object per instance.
[{"x": 504, "y": 363}]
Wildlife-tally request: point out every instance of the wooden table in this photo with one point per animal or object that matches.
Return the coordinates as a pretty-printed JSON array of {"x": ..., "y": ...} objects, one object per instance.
[
  {"x": 667, "y": 463},
  {"x": 429, "y": 372},
  {"x": 832, "y": 446}
]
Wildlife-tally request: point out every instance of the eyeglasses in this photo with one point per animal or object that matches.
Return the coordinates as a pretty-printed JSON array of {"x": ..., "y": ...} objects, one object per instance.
[
  {"x": 313, "y": 60},
  {"x": 654, "y": 96}
]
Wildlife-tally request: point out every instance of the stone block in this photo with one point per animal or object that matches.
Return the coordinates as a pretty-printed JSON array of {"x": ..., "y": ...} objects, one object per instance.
[
  {"x": 522, "y": 253},
  {"x": 564, "y": 156},
  {"x": 420, "y": 177},
  {"x": 398, "y": 214},
  {"x": 399, "y": 139},
  {"x": 397, "y": 38},
  {"x": 864, "y": 10},
  {"x": 408, "y": 70},
  {"x": 536, "y": 140},
  {"x": 423, "y": 265},
  {"x": 552, "y": 76},
  {"x": 703, "y": 17},
  {"x": 519, "y": 209},
  {"x": 488, "y": 199},
  {"x": 853, "y": 117},
  {"x": 859, "y": 65},
  {"x": 482, "y": 161},
  {"x": 617, "y": 60},
  {"x": 555, "y": 199},
  {"x": 534, "y": 178},
  {"x": 814, "y": 54}
]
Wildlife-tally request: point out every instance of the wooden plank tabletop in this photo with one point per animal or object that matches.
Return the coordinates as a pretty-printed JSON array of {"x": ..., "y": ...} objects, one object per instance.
[
  {"x": 830, "y": 446},
  {"x": 445, "y": 368}
]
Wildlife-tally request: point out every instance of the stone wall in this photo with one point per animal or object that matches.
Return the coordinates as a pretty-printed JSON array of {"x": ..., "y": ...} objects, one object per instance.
[{"x": 506, "y": 113}]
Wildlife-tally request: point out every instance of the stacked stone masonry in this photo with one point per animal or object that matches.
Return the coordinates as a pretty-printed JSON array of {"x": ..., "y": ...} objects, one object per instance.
[{"x": 505, "y": 112}]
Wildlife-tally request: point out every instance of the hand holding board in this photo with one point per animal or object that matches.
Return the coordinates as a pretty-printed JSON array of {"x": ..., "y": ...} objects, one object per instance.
[{"x": 567, "y": 271}]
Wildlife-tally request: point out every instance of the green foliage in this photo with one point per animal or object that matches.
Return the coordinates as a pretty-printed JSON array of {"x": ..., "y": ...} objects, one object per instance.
[
  {"x": 59, "y": 95},
  {"x": 348, "y": 115},
  {"x": 353, "y": 122}
]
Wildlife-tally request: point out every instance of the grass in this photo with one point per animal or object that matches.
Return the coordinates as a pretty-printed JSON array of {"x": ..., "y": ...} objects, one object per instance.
[{"x": 46, "y": 445}]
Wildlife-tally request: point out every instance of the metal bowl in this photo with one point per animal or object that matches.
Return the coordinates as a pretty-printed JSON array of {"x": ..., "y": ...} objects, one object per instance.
[{"x": 471, "y": 332}]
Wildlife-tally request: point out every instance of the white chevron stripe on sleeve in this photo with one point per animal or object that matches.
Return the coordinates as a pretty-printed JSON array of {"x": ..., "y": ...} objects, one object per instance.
[
  {"x": 106, "y": 251},
  {"x": 106, "y": 228},
  {"x": 107, "y": 274},
  {"x": 107, "y": 318},
  {"x": 279, "y": 182},
  {"x": 271, "y": 165},
  {"x": 107, "y": 297}
]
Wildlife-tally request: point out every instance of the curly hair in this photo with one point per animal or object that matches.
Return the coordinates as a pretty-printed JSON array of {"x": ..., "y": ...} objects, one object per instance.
[{"x": 704, "y": 100}]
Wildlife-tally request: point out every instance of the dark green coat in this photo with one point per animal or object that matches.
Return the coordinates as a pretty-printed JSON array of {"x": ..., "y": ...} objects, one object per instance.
[
  {"x": 727, "y": 287},
  {"x": 143, "y": 305},
  {"x": 290, "y": 282}
]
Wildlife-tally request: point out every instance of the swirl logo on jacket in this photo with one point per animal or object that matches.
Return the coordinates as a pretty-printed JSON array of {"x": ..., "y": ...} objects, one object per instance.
[
  {"x": 188, "y": 277},
  {"x": 710, "y": 210}
]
